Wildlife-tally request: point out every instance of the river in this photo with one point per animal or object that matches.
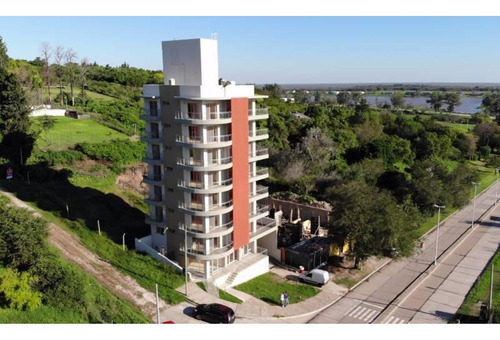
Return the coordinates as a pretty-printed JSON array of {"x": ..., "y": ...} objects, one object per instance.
[{"x": 468, "y": 104}]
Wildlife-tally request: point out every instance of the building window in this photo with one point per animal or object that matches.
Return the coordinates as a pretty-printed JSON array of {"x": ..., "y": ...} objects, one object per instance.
[
  {"x": 169, "y": 168},
  {"x": 168, "y": 147},
  {"x": 171, "y": 210},
  {"x": 153, "y": 108},
  {"x": 170, "y": 189},
  {"x": 160, "y": 230}
]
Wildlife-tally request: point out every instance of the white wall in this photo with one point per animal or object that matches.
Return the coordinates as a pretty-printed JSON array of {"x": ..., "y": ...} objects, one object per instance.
[
  {"x": 151, "y": 90},
  {"x": 48, "y": 112},
  {"x": 191, "y": 62}
]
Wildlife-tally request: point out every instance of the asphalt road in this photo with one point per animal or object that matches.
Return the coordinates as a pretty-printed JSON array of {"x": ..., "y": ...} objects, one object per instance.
[{"x": 414, "y": 290}]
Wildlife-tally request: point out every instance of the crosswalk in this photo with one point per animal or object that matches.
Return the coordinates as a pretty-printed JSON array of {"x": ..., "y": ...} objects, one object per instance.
[
  {"x": 367, "y": 314},
  {"x": 393, "y": 319},
  {"x": 362, "y": 313}
]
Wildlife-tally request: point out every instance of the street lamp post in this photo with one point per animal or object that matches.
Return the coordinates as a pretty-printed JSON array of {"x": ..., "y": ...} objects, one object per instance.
[
  {"x": 474, "y": 205},
  {"x": 185, "y": 259},
  {"x": 497, "y": 170},
  {"x": 437, "y": 231}
]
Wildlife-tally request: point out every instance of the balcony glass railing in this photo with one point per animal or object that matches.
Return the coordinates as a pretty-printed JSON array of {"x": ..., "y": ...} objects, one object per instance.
[
  {"x": 198, "y": 228},
  {"x": 198, "y": 139},
  {"x": 259, "y": 172},
  {"x": 200, "y": 184},
  {"x": 202, "y": 162},
  {"x": 201, "y": 207},
  {"x": 199, "y": 115},
  {"x": 259, "y": 152}
]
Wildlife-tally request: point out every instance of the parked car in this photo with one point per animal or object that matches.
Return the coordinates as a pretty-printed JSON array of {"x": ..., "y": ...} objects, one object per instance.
[
  {"x": 316, "y": 277},
  {"x": 214, "y": 313}
]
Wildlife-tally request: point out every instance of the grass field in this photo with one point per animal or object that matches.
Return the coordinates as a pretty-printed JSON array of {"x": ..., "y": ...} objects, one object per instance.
[
  {"x": 269, "y": 287},
  {"x": 76, "y": 91},
  {"x": 68, "y": 131},
  {"x": 462, "y": 127},
  {"x": 222, "y": 294}
]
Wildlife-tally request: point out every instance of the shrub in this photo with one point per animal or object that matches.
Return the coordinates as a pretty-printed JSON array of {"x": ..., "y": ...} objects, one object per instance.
[
  {"x": 52, "y": 158},
  {"x": 119, "y": 152}
]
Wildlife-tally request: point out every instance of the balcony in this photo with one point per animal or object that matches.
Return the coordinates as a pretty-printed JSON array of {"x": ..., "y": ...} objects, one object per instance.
[
  {"x": 260, "y": 193},
  {"x": 197, "y": 230},
  {"x": 214, "y": 164},
  {"x": 199, "y": 209},
  {"x": 255, "y": 135},
  {"x": 155, "y": 200},
  {"x": 152, "y": 137},
  {"x": 208, "y": 188},
  {"x": 261, "y": 209},
  {"x": 261, "y": 113},
  {"x": 201, "y": 253},
  {"x": 211, "y": 141},
  {"x": 259, "y": 154},
  {"x": 155, "y": 221},
  {"x": 149, "y": 118},
  {"x": 265, "y": 226},
  {"x": 155, "y": 180},
  {"x": 197, "y": 118},
  {"x": 259, "y": 174}
]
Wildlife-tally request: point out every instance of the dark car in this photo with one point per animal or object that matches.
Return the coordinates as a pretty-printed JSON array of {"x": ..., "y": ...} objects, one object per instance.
[{"x": 214, "y": 313}]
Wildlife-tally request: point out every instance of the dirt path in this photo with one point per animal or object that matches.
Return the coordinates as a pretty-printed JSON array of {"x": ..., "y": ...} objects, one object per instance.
[{"x": 117, "y": 282}]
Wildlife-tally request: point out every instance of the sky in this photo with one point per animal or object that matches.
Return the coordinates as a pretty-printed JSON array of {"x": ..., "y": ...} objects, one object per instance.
[{"x": 280, "y": 49}]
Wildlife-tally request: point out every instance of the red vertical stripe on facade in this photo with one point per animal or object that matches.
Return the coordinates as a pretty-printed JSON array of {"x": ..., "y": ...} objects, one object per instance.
[{"x": 241, "y": 210}]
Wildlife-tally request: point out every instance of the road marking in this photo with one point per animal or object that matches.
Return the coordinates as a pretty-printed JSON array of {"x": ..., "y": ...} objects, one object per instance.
[
  {"x": 350, "y": 310},
  {"x": 362, "y": 316},
  {"x": 371, "y": 315},
  {"x": 390, "y": 319},
  {"x": 359, "y": 312}
]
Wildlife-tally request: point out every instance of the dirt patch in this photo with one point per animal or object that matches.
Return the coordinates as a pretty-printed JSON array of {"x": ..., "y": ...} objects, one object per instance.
[
  {"x": 132, "y": 179},
  {"x": 117, "y": 282},
  {"x": 346, "y": 270}
]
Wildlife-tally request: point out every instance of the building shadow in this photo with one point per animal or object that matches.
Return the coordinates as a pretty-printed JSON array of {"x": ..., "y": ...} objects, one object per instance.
[{"x": 50, "y": 190}]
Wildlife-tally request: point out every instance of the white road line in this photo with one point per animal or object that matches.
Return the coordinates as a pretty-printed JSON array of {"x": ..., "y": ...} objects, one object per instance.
[
  {"x": 355, "y": 310},
  {"x": 372, "y": 305},
  {"x": 361, "y": 311},
  {"x": 350, "y": 309},
  {"x": 402, "y": 321},
  {"x": 369, "y": 316},
  {"x": 362, "y": 316},
  {"x": 396, "y": 320},
  {"x": 390, "y": 319}
]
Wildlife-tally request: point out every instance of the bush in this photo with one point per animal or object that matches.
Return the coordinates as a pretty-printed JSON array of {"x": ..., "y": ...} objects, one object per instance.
[
  {"x": 56, "y": 157},
  {"x": 119, "y": 152}
]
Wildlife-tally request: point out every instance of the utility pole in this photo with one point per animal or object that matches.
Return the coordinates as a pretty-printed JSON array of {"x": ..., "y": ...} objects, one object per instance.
[
  {"x": 437, "y": 231},
  {"x": 157, "y": 305},
  {"x": 474, "y": 206},
  {"x": 186, "y": 259},
  {"x": 123, "y": 242},
  {"x": 490, "y": 309},
  {"x": 496, "y": 194}
]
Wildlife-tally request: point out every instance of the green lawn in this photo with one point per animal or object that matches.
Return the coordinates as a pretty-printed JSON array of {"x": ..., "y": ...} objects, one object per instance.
[
  {"x": 462, "y": 127},
  {"x": 269, "y": 287},
  {"x": 222, "y": 294},
  {"x": 76, "y": 91},
  {"x": 68, "y": 131}
]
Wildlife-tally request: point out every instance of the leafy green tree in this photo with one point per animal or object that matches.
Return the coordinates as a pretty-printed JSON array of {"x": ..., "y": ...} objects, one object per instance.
[
  {"x": 371, "y": 221},
  {"x": 436, "y": 100},
  {"x": 47, "y": 123},
  {"x": 17, "y": 291},
  {"x": 458, "y": 182},
  {"x": 17, "y": 143},
  {"x": 427, "y": 187},
  {"x": 398, "y": 99},
  {"x": 452, "y": 99},
  {"x": 4, "y": 58},
  {"x": 344, "y": 98},
  {"x": 491, "y": 103},
  {"x": 273, "y": 90}
]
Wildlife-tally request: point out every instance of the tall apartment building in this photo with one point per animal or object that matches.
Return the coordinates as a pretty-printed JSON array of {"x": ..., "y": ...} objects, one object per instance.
[{"x": 202, "y": 152}]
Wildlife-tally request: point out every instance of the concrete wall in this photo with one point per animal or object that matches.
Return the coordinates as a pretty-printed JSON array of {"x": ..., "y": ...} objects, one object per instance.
[
  {"x": 306, "y": 211},
  {"x": 48, "y": 112},
  {"x": 270, "y": 242},
  {"x": 255, "y": 269},
  {"x": 144, "y": 245}
]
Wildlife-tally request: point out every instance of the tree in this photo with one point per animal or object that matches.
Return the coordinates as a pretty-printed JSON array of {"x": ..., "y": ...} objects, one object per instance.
[
  {"x": 48, "y": 123},
  {"x": 273, "y": 90},
  {"x": 84, "y": 68},
  {"x": 17, "y": 142},
  {"x": 491, "y": 103},
  {"x": 46, "y": 51},
  {"x": 436, "y": 100},
  {"x": 452, "y": 99},
  {"x": 4, "y": 58},
  {"x": 17, "y": 291},
  {"x": 398, "y": 99},
  {"x": 58, "y": 57},
  {"x": 70, "y": 58},
  {"x": 344, "y": 98},
  {"x": 371, "y": 221}
]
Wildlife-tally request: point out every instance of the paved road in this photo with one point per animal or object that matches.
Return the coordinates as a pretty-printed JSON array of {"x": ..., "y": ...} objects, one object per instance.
[{"x": 413, "y": 290}]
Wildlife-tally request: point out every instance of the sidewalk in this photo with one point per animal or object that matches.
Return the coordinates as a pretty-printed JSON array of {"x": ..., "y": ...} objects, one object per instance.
[{"x": 253, "y": 310}]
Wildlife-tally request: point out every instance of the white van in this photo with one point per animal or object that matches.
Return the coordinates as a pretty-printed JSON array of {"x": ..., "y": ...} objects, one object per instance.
[{"x": 316, "y": 277}]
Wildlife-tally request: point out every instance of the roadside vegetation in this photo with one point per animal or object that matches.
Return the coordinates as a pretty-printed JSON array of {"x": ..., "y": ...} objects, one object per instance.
[
  {"x": 474, "y": 308},
  {"x": 39, "y": 286}
]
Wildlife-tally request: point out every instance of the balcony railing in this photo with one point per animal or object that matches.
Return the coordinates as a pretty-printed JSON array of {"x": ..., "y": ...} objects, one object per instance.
[
  {"x": 201, "y": 207},
  {"x": 199, "y": 184},
  {"x": 260, "y": 210},
  {"x": 198, "y": 139},
  {"x": 259, "y": 172},
  {"x": 198, "y": 228},
  {"x": 259, "y": 152},
  {"x": 202, "y": 162},
  {"x": 199, "y": 116},
  {"x": 201, "y": 250},
  {"x": 260, "y": 191}
]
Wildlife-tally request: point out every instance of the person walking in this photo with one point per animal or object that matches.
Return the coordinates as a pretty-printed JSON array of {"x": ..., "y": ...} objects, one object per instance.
[
  {"x": 285, "y": 295},
  {"x": 282, "y": 298}
]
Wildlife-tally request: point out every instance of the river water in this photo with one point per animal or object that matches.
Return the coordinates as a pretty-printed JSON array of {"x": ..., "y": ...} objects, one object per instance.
[{"x": 467, "y": 105}]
